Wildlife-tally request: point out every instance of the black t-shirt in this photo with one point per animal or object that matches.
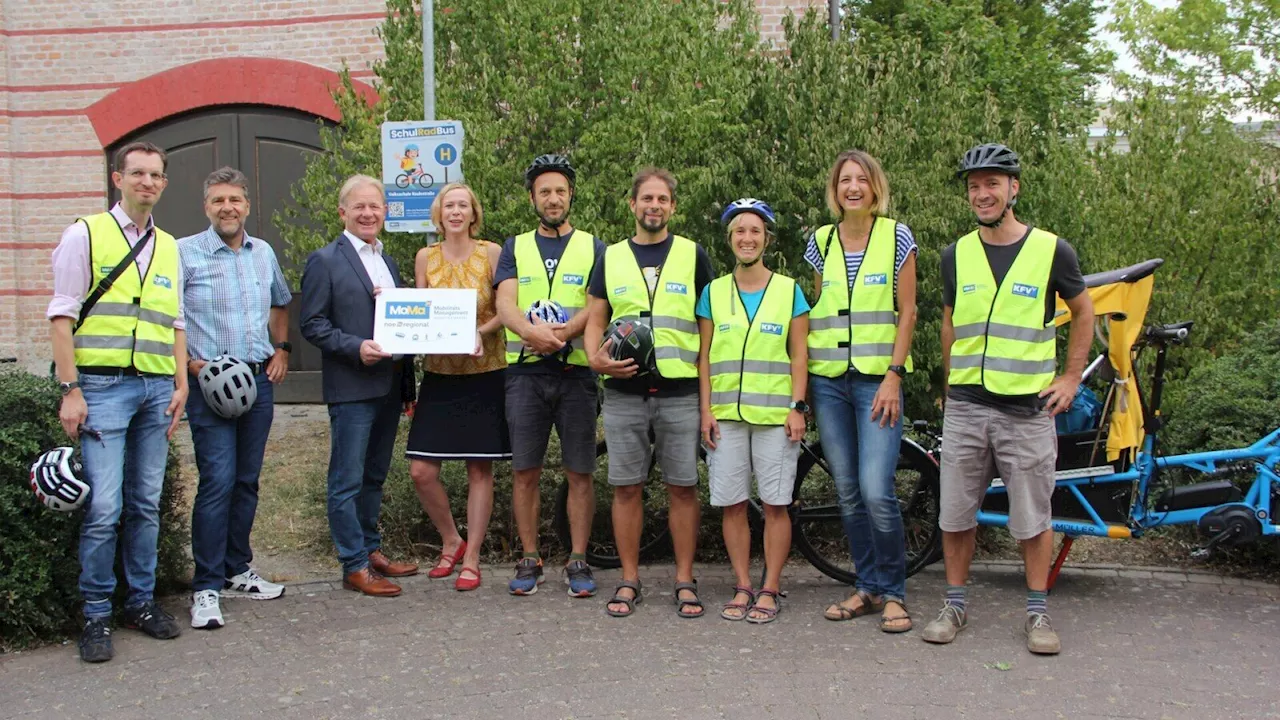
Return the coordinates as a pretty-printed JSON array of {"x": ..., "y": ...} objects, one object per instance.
[
  {"x": 551, "y": 249},
  {"x": 1065, "y": 279},
  {"x": 650, "y": 259}
]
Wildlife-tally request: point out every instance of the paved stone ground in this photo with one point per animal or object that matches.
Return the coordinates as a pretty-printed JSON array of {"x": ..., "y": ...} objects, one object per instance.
[{"x": 1137, "y": 644}]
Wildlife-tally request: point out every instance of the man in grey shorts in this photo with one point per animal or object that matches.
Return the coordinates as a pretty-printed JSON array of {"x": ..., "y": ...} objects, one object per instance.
[
  {"x": 657, "y": 277},
  {"x": 548, "y": 381},
  {"x": 998, "y": 353}
]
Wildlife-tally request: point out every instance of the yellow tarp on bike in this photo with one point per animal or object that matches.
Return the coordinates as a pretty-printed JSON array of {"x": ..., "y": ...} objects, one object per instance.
[{"x": 1120, "y": 309}]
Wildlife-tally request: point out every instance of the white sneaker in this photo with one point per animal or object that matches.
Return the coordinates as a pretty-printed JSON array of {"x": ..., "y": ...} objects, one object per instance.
[
  {"x": 205, "y": 613},
  {"x": 250, "y": 585}
]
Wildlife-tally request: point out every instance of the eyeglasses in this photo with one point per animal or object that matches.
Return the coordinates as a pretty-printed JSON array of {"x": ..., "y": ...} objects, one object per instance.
[{"x": 136, "y": 174}]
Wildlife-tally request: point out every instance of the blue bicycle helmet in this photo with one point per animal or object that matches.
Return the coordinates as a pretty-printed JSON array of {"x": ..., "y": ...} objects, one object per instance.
[
  {"x": 550, "y": 311},
  {"x": 412, "y": 147},
  {"x": 751, "y": 205}
]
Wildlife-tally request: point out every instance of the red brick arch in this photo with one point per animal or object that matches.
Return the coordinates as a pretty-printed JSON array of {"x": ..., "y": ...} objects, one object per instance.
[{"x": 209, "y": 83}]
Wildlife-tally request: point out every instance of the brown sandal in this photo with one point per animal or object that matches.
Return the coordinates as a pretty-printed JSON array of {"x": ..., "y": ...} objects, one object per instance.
[
  {"x": 842, "y": 612},
  {"x": 886, "y": 622}
]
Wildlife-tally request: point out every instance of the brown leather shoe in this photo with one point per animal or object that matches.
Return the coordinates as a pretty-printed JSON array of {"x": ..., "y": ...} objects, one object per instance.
[
  {"x": 387, "y": 567},
  {"x": 370, "y": 583}
]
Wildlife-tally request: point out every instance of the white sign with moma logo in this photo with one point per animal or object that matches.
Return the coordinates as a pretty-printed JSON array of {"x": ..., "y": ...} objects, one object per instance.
[{"x": 427, "y": 321}]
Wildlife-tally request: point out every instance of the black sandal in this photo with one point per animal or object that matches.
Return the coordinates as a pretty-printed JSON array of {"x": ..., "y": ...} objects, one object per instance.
[
  {"x": 682, "y": 604},
  {"x": 630, "y": 602},
  {"x": 867, "y": 607},
  {"x": 744, "y": 607},
  {"x": 885, "y": 622},
  {"x": 770, "y": 613}
]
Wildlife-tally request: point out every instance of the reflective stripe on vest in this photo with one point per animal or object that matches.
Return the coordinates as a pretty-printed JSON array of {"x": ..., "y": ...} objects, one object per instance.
[
  {"x": 749, "y": 359},
  {"x": 840, "y": 336},
  {"x": 568, "y": 287},
  {"x": 669, "y": 311},
  {"x": 1002, "y": 342},
  {"x": 132, "y": 323}
]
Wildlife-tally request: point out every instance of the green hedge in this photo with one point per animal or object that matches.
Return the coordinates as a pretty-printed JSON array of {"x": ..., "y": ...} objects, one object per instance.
[{"x": 39, "y": 572}]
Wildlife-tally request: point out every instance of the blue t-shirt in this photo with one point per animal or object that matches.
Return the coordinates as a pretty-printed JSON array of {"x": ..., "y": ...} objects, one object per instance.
[{"x": 750, "y": 300}]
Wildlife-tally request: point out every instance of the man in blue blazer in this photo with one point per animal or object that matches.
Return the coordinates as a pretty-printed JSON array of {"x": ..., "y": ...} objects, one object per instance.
[{"x": 364, "y": 387}]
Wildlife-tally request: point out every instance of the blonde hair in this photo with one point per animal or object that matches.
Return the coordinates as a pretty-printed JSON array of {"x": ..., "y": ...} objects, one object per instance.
[
  {"x": 357, "y": 181},
  {"x": 875, "y": 177},
  {"x": 437, "y": 207}
]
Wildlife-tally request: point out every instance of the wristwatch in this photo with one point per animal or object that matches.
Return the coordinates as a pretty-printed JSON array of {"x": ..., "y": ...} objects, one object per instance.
[
  {"x": 69, "y": 386},
  {"x": 899, "y": 370},
  {"x": 800, "y": 406},
  {"x": 285, "y": 346}
]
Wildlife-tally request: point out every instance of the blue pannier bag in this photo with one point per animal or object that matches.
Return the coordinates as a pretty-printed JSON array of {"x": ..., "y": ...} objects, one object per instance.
[{"x": 1084, "y": 415}]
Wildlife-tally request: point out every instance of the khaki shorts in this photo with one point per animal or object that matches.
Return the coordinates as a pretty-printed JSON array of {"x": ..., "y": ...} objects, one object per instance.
[
  {"x": 676, "y": 423},
  {"x": 980, "y": 443},
  {"x": 745, "y": 450}
]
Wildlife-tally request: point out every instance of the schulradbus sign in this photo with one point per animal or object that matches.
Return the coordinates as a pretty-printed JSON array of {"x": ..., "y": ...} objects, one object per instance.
[{"x": 418, "y": 159}]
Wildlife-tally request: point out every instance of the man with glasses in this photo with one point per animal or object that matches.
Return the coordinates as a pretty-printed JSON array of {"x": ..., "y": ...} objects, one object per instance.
[{"x": 120, "y": 352}]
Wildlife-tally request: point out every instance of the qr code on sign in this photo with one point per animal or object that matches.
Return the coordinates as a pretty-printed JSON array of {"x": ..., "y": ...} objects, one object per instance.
[{"x": 395, "y": 209}]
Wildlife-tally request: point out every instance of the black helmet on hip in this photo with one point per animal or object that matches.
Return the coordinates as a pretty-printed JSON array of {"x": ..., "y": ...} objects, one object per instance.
[
  {"x": 549, "y": 163},
  {"x": 228, "y": 386},
  {"x": 55, "y": 479},
  {"x": 632, "y": 338},
  {"x": 990, "y": 156}
]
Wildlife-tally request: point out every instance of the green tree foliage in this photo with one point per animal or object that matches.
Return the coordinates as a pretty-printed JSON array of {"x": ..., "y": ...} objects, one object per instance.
[
  {"x": 1227, "y": 49},
  {"x": 1038, "y": 56},
  {"x": 698, "y": 93}
]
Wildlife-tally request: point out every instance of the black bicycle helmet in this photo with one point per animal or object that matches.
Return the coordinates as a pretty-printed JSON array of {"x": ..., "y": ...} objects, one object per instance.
[
  {"x": 990, "y": 156},
  {"x": 549, "y": 163},
  {"x": 632, "y": 338}
]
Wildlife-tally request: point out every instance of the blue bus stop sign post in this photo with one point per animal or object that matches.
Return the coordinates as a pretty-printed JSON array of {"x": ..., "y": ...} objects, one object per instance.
[{"x": 418, "y": 160}]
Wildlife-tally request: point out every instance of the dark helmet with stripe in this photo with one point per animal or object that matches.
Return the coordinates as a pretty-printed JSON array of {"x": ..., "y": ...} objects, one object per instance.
[
  {"x": 990, "y": 156},
  {"x": 549, "y": 163}
]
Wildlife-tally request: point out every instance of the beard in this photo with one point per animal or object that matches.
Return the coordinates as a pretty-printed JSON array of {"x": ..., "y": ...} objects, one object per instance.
[
  {"x": 225, "y": 234},
  {"x": 551, "y": 221},
  {"x": 652, "y": 225}
]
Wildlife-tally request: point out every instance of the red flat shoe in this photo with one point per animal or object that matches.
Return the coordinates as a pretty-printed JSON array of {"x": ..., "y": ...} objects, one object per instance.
[
  {"x": 444, "y": 568},
  {"x": 463, "y": 584}
]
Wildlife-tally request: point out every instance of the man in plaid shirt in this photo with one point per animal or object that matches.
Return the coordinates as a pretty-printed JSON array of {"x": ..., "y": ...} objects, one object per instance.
[{"x": 236, "y": 297}]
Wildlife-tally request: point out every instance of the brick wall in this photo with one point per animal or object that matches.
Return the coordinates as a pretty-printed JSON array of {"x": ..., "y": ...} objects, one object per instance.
[{"x": 60, "y": 57}]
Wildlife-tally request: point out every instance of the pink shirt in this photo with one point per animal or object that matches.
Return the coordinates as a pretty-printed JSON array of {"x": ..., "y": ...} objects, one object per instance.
[{"x": 72, "y": 274}]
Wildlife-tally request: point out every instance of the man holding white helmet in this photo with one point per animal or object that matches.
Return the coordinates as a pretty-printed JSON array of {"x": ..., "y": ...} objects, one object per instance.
[
  {"x": 237, "y": 329},
  {"x": 542, "y": 295}
]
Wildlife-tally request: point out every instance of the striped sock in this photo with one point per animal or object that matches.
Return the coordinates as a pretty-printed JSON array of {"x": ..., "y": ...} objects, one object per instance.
[
  {"x": 577, "y": 556},
  {"x": 1037, "y": 602},
  {"x": 530, "y": 555},
  {"x": 955, "y": 597}
]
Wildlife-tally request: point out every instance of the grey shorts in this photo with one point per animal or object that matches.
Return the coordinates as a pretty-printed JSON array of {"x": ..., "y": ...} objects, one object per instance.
[
  {"x": 745, "y": 450},
  {"x": 675, "y": 422},
  {"x": 980, "y": 443},
  {"x": 536, "y": 402}
]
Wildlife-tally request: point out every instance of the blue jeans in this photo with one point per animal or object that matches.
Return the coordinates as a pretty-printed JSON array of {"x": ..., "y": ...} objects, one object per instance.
[
  {"x": 863, "y": 458},
  {"x": 229, "y": 455},
  {"x": 125, "y": 470},
  {"x": 362, "y": 435}
]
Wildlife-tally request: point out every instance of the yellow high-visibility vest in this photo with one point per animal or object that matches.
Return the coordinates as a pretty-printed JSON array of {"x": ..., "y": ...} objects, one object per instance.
[
  {"x": 749, "y": 359},
  {"x": 670, "y": 312},
  {"x": 1002, "y": 341},
  {"x": 568, "y": 287},
  {"x": 132, "y": 323},
  {"x": 841, "y": 335}
]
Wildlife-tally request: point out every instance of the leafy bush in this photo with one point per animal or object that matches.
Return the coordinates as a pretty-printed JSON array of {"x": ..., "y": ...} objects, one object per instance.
[{"x": 39, "y": 572}]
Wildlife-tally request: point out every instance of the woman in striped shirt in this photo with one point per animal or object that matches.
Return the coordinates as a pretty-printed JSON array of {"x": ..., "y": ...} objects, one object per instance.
[{"x": 859, "y": 352}]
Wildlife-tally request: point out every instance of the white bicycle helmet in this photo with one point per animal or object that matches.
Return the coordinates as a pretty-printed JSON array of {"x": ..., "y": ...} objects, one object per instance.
[
  {"x": 549, "y": 311},
  {"x": 228, "y": 386},
  {"x": 56, "y": 482}
]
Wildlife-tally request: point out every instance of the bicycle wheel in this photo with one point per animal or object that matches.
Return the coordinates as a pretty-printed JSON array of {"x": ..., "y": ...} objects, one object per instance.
[
  {"x": 602, "y": 552},
  {"x": 819, "y": 532},
  {"x": 402, "y": 181},
  {"x": 425, "y": 181}
]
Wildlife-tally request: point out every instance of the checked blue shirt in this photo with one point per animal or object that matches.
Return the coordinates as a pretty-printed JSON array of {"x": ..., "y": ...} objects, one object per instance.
[{"x": 229, "y": 296}]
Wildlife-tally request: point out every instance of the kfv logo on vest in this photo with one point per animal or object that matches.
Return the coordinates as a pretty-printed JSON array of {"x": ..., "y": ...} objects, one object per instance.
[
  {"x": 1027, "y": 291},
  {"x": 678, "y": 288},
  {"x": 771, "y": 328},
  {"x": 572, "y": 279},
  {"x": 163, "y": 282},
  {"x": 876, "y": 279},
  {"x": 417, "y": 310}
]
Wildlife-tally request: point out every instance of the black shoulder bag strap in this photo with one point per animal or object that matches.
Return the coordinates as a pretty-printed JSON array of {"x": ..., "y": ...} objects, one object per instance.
[{"x": 110, "y": 279}]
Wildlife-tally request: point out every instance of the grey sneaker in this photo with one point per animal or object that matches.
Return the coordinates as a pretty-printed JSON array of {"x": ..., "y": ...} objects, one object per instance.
[
  {"x": 948, "y": 623},
  {"x": 1041, "y": 639}
]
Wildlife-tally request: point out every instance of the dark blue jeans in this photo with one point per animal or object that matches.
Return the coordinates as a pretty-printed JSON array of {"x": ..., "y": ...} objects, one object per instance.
[
  {"x": 863, "y": 458},
  {"x": 362, "y": 435},
  {"x": 229, "y": 456}
]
